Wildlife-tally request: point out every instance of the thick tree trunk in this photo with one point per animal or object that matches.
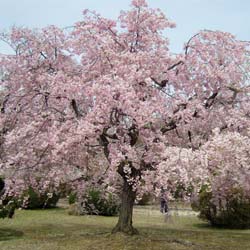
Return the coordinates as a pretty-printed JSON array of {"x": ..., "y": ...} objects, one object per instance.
[{"x": 125, "y": 222}]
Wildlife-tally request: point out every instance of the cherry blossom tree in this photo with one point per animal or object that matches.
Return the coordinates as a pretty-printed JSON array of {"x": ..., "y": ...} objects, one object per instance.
[
  {"x": 224, "y": 200},
  {"x": 226, "y": 159},
  {"x": 105, "y": 103}
]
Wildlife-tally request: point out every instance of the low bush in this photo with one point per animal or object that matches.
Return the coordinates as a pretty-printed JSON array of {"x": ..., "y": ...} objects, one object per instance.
[
  {"x": 32, "y": 199},
  {"x": 232, "y": 211},
  {"x": 7, "y": 208},
  {"x": 72, "y": 198},
  {"x": 94, "y": 202}
]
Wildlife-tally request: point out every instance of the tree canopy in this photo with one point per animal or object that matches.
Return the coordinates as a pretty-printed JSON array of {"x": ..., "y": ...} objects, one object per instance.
[{"x": 106, "y": 103}]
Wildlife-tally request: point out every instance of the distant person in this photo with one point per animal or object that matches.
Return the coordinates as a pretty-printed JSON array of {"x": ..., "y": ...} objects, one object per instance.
[{"x": 163, "y": 200}]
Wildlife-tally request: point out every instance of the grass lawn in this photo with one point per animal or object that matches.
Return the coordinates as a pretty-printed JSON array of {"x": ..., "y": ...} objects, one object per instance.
[{"x": 55, "y": 229}]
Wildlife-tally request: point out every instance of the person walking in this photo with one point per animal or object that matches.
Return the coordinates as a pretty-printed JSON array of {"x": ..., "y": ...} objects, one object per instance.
[{"x": 163, "y": 200}]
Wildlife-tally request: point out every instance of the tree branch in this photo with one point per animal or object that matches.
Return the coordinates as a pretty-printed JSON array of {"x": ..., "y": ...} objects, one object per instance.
[{"x": 75, "y": 108}]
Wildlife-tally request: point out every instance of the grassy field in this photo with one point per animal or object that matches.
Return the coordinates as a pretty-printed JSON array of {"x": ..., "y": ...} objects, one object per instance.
[{"x": 54, "y": 229}]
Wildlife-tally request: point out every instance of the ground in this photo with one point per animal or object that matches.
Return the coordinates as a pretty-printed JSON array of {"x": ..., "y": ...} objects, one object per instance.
[{"x": 54, "y": 229}]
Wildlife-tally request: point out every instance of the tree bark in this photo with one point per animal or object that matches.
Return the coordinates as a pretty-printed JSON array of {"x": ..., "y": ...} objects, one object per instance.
[{"x": 125, "y": 222}]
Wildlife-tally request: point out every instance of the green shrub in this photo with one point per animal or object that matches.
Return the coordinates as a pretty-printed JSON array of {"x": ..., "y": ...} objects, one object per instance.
[
  {"x": 7, "y": 207},
  {"x": 231, "y": 212},
  {"x": 101, "y": 204},
  {"x": 36, "y": 200},
  {"x": 7, "y": 210},
  {"x": 94, "y": 202},
  {"x": 72, "y": 198}
]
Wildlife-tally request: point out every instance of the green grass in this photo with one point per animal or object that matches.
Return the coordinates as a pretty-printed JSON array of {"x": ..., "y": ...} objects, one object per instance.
[{"x": 54, "y": 229}]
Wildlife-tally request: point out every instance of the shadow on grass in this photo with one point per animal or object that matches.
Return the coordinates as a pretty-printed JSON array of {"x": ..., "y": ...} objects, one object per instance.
[
  {"x": 203, "y": 226},
  {"x": 45, "y": 209},
  {"x": 218, "y": 227},
  {"x": 9, "y": 234}
]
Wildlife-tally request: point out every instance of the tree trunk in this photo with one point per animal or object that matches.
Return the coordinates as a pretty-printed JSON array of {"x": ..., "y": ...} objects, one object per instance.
[{"x": 125, "y": 222}]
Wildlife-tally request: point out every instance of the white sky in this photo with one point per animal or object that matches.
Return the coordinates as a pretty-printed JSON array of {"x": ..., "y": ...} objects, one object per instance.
[{"x": 190, "y": 15}]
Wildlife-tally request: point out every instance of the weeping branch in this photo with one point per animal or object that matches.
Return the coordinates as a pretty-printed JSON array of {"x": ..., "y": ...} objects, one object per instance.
[{"x": 210, "y": 101}]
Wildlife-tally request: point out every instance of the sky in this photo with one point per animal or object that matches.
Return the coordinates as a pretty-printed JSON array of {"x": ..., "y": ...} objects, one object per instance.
[{"x": 190, "y": 16}]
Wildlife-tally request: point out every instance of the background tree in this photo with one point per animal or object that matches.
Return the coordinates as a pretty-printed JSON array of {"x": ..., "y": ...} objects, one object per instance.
[{"x": 225, "y": 200}]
